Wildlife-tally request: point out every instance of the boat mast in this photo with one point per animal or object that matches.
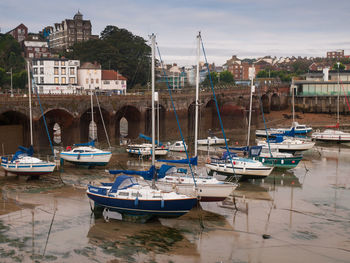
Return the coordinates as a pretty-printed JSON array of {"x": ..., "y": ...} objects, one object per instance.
[
  {"x": 293, "y": 107},
  {"x": 197, "y": 96},
  {"x": 251, "y": 73},
  {"x": 92, "y": 111},
  {"x": 153, "y": 40},
  {"x": 338, "y": 63},
  {"x": 30, "y": 105}
]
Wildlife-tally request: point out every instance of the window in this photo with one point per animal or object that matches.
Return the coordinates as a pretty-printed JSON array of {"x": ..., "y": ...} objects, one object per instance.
[
  {"x": 35, "y": 62},
  {"x": 41, "y": 62},
  {"x": 41, "y": 70},
  {"x": 123, "y": 193},
  {"x": 36, "y": 79},
  {"x": 56, "y": 63},
  {"x": 63, "y": 63},
  {"x": 63, "y": 80},
  {"x": 56, "y": 80},
  {"x": 96, "y": 81},
  {"x": 87, "y": 81},
  {"x": 41, "y": 89},
  {"x": 92, "y": 81},
  {"x": 63, "y": 71},
  {"x": 55, "y": 70},
  {"x": 106, "y": 82},
  {"x": 35, "y": 71},
  {"x": 71, "y": 71},
  {"x": 71, "y": 80},
  {"x": 41, "y": 79}
]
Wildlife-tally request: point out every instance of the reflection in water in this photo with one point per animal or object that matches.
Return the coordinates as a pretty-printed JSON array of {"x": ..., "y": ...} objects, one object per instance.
[{"x": 131, "y": 241}]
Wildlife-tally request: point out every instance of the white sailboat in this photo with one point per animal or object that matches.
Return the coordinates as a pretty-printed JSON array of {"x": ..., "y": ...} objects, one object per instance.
[
  {"x": 333, "y": 135},
  {"x": 23, "y": 162},
  {"x": 208, "y": 189},
  {"x": 87, "y": 154},
  {"x": 232, "y": 165},
  {"x": 128, "y": 197}
]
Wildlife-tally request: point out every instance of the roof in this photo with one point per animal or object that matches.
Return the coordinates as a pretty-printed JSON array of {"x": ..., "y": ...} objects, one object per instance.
[
  {"x": 112, "y": 75},
  {"x": 89, "y": 65}
]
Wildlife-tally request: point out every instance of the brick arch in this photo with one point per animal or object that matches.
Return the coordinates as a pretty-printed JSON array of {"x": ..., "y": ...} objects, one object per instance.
[
  {"x": 14, "y": 130},
  {"x": 85, "y": 119},
  {"x": 64, "y": 119},
  {"x": 133, "y": 117}
]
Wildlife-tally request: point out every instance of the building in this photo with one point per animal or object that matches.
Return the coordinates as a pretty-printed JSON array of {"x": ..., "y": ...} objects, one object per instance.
[
  {"x": 113, "y": 82},
  {"x": 19, "y": 33},
  {"x": 323, "y": 83},
  {"x": 34, "y": 47},
  {"x": 335, "y": 54},
  {"x": 238, "y": 68},
  {"x": 63, "y": 35},
  {"x": 90, "y": 77},
  {"x": 56, "y": 76}
]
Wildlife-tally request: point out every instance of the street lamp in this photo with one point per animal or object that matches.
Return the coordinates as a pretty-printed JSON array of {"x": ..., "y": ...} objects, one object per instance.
[{"x": 10, "y": 72}]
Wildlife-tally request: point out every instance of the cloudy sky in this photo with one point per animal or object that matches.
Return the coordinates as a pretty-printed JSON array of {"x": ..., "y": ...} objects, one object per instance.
[{"x": 246, "y": 28}]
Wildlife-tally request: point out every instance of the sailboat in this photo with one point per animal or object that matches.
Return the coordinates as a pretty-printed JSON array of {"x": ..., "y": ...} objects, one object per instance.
[
  {"x": 333, "y": 135},
  {"x": 23, "y": 162},
  {"x": 232, "y": 165},
  {"x": 128, "y": 197},
  {"x": 299, "y": 129},
  {"x": 268, "y": 155},
  {"x": 86, "y": 153},
  {"x": 145, "y": 149}
]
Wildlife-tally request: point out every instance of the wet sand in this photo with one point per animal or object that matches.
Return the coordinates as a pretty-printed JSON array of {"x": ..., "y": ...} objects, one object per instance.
[{"x": 303, "y": 212}]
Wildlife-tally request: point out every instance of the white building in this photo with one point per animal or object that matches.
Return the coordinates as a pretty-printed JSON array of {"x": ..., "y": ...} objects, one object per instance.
[
  {"x": 89, "y": 76},
  {"x": 113, "y": 82},
  {"x": 56, "y": 76}
]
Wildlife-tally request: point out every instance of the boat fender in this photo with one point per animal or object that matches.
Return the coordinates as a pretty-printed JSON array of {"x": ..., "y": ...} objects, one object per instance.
[
  {"x": 78, "y": 157},
  {"x": 136, "y": 203},
  {"x": 162, "y": 203},
  {"x": 173, "y": 186},
  {"x": 69, "y": 148},
  {"x": 282, "y": 161}
]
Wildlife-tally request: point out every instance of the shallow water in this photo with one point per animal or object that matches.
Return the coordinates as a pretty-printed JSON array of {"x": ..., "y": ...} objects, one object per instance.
[{"x": 304, "y": 214}]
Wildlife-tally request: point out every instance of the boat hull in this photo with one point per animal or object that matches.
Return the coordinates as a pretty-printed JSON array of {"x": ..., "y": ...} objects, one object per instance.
[
  {"x": 281, "y": 162},
  {"x": 242, "y": 172},
  {"x": 204, "y": 192},
  {"x": 29, "y": 169},
  {"x": 331, "y": 138},
  {"x": 158, "y": 208},
  {"x": 100, "y": 159}
]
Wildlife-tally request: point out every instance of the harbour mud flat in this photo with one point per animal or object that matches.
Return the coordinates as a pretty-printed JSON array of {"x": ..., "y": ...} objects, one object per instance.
[{"x": 290, "y": 216}]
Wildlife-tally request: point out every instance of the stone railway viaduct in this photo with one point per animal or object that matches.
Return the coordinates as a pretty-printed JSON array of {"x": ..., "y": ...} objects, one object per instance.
[{"x": 73, "y": 114}]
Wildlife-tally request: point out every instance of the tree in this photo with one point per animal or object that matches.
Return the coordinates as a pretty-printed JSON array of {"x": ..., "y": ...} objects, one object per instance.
[
  {"x": 213, "y": 77},
  {"x": 341, "y": 66},
  {"x": 117, "y": 49},
  {"x": 226, "y": 77}
]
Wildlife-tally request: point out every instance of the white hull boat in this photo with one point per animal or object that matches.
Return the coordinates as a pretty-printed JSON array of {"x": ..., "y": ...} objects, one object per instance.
[
  {"x": 244, "y": 168},
  {"x": 145, "y": 149},
  {"x": 86, "y": 155},
  {"x": 27, "y": 165},
  {"x": 211, "y": 141},
  {"x": 289, "y": 144},
  {"x": 177, "y": 146},
  {"x": 331, "y": 135},
  {"x": 207, "y": 189}
]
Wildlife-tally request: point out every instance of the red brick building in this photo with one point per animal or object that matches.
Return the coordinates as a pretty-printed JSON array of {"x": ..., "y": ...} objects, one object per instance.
[
  {"x": 19, "y": 33},
  {"x": 335, "y": 54}
]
